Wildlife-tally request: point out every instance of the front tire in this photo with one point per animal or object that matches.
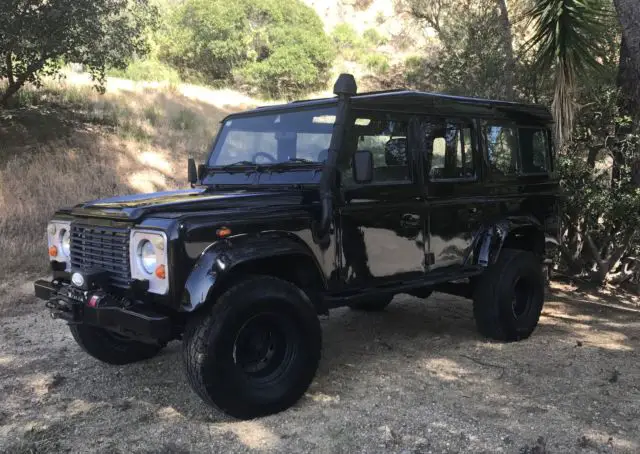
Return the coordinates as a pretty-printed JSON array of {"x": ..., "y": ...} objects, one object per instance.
[
  {"x": 110, "y": 347},
  {"x": 508, "y": 297},
  {"x": 256, "y": 351}
]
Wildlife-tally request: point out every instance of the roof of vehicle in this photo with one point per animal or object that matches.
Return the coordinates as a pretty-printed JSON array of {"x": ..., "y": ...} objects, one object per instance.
[{"x": 410, "y": 101}]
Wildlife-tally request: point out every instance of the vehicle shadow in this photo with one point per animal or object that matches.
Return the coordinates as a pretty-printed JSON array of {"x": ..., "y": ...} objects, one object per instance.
[{"x": 407, "y": 368}]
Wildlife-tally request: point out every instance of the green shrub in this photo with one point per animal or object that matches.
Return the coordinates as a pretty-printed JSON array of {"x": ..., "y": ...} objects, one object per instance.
[
  {"x": 278, "y": 47},
  {"x": 150, "y": 70},
  {"x": 345, "y": 36},
  {"x": 377, "y": 63},
  {"x": 415, "y": 70},
  {"x": 374, "y": 38}
]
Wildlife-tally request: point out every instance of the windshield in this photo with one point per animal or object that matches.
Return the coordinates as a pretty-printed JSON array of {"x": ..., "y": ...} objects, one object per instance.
[{"x": 302, "y": 137}]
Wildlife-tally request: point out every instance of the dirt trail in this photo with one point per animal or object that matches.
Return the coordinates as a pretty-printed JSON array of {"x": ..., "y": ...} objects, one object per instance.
[{"x": 416, "y": 378}]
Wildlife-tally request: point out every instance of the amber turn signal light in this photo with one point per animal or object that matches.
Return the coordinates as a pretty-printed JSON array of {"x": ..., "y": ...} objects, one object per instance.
[
  {"x": 223, "y": 232},
  {"x": 53, "y": 251},
  {"x": 161, "y": 272}
]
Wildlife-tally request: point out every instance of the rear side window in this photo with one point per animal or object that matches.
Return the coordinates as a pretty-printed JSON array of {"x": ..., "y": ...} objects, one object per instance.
[
  {"x": 452, "y": 153},
  {"x": 502, "y": 149},
  {"x": 534, "y": 150}
]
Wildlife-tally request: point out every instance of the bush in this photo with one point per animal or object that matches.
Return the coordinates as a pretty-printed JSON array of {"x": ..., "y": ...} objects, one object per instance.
[
  {"x": 362, "y": 5},
  {"x": 149, "y": 70},
  {"x": 377, "y": 63},
  {"x": 345, "y": 36},
  {"x": 278, "y": 47},
  {"x": 374, "y": 38},
  {"x": 415, "y": 70}
]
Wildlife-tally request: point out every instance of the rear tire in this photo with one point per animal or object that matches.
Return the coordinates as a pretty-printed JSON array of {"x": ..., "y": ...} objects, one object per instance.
[
  {"x": 112, "y": 348},
  {"x": 256, "y": 351},
  {"x": 373, "y": 304},
  {"x": 508, "y": 297}
]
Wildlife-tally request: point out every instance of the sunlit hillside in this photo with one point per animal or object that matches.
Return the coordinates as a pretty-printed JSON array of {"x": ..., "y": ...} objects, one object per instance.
[{"x": 68, "y": 144}]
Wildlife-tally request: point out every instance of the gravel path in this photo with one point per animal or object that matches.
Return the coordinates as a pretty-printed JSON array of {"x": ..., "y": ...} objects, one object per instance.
[{"x": 416, "y": 378}]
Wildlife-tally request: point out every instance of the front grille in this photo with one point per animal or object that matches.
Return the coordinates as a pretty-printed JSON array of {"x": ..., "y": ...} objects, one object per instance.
[{"x": 99, "y": 248}]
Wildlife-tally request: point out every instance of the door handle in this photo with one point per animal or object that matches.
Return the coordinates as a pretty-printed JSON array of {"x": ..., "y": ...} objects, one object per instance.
[
  {"x": 473, "y": 210},
  {"x": 410, "y": 220}
]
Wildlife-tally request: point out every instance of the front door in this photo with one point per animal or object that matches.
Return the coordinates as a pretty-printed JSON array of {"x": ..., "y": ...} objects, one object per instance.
[
  {"x": 382, "y": 223},
  {"x": 453, "y": 189}
]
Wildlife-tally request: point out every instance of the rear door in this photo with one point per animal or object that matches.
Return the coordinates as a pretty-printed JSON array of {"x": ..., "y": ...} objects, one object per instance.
[{"x": 453, "y": 192}]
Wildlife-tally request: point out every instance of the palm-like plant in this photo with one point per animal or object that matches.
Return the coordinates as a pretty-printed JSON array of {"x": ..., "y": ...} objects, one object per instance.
[{"x": 565, "y": 40}]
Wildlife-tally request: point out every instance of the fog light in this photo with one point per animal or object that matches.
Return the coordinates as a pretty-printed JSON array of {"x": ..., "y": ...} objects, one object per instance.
[
  {"x": 161, "y": 272},
  {"x": 53, "y": 251}
]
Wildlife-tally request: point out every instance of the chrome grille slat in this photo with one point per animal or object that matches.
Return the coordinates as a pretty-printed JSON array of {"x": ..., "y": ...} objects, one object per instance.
[{"x": 103, "y": 248}]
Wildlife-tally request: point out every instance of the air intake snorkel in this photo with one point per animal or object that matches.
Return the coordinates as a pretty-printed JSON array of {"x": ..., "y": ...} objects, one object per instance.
[{"x": 345, "y": 87}]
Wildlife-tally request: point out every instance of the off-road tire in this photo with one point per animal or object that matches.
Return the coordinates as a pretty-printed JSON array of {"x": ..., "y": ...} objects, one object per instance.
[
  {"x": 372, "y": 304},
  {"x": 509, "y": 295},
  {"x": 211, "y": 350},
  {"x": 111, "y": 348}
]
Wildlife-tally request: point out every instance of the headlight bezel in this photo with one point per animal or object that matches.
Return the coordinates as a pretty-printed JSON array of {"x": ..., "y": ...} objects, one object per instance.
[
  {"x": 55, "y": 231},
  {"x": 158, "y": 240}
]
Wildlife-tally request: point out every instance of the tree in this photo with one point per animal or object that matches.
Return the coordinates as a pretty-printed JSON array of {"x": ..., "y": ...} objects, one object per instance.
[
  {"x": 37, "y": 36},
  {"x": 280, "y": 48},
  {"x": 565, "y": 41},
  {"x": 474, "y": 54},
  {"x": 507, "y": 45},
  {"x": 629, "y": 74}
]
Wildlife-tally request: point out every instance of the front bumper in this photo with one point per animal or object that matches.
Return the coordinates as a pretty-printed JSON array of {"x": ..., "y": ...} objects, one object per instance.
[{"x": 103, "y": 310}]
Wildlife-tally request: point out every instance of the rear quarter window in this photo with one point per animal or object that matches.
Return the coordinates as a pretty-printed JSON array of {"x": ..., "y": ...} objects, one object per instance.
[{"x": 534, "y": 150}]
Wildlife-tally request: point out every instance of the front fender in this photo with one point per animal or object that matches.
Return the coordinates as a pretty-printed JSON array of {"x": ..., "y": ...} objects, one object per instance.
[{"x": 217, "y": 262}]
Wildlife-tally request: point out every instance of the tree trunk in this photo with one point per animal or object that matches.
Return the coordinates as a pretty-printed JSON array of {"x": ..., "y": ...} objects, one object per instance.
[
  {"x": 629, "y": 71},
  {"x": 507, "y": 43},
  {"x": 19, "y": 81}
]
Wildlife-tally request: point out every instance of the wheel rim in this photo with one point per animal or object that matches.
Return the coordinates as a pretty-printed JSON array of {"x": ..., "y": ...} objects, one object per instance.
[
  {"x": 264, "y": 347},
  {"x": 523, "y": 293}
]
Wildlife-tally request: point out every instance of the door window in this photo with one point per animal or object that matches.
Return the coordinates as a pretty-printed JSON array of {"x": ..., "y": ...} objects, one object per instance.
[{"x": 386, "y": 138}]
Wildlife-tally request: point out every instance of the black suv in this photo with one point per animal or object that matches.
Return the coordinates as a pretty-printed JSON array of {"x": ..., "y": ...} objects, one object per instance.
[{"x": 305, "y": 207}]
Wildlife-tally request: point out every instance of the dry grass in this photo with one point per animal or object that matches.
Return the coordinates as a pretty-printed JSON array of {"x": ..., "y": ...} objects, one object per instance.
[{"x": 65, "y": 144}]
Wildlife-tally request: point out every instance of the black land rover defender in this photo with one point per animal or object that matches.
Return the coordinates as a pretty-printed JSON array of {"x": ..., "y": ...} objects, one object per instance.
[{"x": 305, "y": 207}]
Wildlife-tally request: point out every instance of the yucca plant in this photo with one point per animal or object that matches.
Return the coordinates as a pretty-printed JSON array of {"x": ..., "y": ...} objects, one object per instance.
[{"x": 565, "y": 39}]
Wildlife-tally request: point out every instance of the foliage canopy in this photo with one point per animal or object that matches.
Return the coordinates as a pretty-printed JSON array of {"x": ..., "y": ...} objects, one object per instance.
[
  {"x": 280, "y": 48},
  {"x": 36, "y": 37}
]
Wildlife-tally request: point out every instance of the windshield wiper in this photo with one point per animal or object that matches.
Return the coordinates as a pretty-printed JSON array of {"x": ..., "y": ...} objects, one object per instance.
[
  {"x": 255, "y": 167},
  {"x": 301, "y": 160},
  {"x": 290, "y": 163}
]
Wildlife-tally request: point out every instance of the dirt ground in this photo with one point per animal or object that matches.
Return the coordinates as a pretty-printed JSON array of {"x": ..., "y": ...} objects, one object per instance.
[{"x": 416, "y": 378}]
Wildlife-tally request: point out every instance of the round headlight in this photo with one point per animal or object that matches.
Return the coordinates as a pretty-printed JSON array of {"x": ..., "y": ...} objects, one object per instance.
[
  {"x": 65, "y": 242},
  {"x": 147, "y": 256}
]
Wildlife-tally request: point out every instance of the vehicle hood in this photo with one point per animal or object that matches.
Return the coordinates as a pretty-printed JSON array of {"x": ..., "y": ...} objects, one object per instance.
[{"x": 134, "y": 207}]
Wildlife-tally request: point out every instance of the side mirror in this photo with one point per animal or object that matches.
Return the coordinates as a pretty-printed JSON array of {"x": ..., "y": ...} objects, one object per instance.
[
  {"x": 362, "y": 166},
  {"x": 201, "y": 170},
  {"x": 192, "y": 173}
]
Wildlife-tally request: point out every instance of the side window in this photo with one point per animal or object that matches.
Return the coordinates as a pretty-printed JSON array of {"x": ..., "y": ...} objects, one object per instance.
[
  {"x": 451, "y": 151},
  {"x": 534, "y": 150},
  {"x": 386, "y": 139},
  {"x": 502, "y": 149}
]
